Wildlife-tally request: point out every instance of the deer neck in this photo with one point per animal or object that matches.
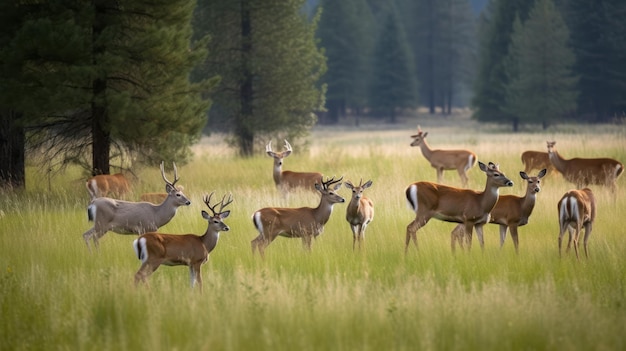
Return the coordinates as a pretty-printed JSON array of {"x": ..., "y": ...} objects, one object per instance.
[
  {"x": 209, "y": 239},
  {"x": 426, "y": 150},
  {"x": 528, "y": 203},
  {"x": 165, "y": 211},
  {"x": 489, "y": 197},
  {"x": 278, "y": 170},
  {"x": 559, "y": 162},
  {"x": 323, "y": 211},
  {"x": 353, "y": 206}
]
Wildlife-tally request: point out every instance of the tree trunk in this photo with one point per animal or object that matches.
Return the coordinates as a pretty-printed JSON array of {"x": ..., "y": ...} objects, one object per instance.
[
  {"x": 101, "y": 138},
  {"x": 243, "y": 130},
  {"x": 12, "y": 150}
]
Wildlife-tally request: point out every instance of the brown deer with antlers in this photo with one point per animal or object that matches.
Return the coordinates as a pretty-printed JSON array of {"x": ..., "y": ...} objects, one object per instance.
[
  {"x": 471, "y": 208},
  {"x": 156, "y": 249},
  {"x": 125, "y": 217},
  {"x": 577, "y": 209},
  {"x": 360, "y": 211},
  {"x": 461, "y": 160},
  {"x": 289, "y": 180},
  {"x": 304, "y": 222},
  {"x": 586, "y": 171},
  {"x": 510, "y": 211}
]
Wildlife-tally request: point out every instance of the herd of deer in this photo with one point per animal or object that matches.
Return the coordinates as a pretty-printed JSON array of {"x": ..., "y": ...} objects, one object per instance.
[{"x": 469, "y": 208}]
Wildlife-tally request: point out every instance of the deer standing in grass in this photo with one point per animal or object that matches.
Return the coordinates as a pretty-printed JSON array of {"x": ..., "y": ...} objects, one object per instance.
[
  {"x": 156, "y": 249},
  {"x": 537, "y": 160},
  {"x": 157, "y": 198},
  {"x": 510, "y": 212},
  {"x": 304, "y": 222},
  {"x": 461, "y": 160},
  {"x": 577, "y": 209},
  {"x": 471, "y": 208},
  {"x": 586, "y": 171},
  {"x": 289, "y": 180},
  {"x": 125, "y": 217},
  {"x": 360, "y": 211},
  {"x": 105, "y": 184}
]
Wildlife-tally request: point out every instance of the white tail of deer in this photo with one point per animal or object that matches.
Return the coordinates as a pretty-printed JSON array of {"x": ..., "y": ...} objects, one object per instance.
[
  {"x": 360, "y": 211},
  {"x": 304, "y": 222},
  {"x": 510, "y": 212},
  {"x": 586, "y": 171},
  {"x": 577, "y": 209},
  {"x": 155, "y": 249},
  {"x": 537, "y": 160},
  {"x": 104, "y": 184},
  {"x": 471, "y": 208},
  {"x": 461, "y": 160},
  {"x": 288, "y": 180},
  {"x": 125, "y": 217}
]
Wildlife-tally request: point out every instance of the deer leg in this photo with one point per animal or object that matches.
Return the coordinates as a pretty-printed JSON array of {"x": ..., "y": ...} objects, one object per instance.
[
  {"x": 411, "y": 231},
  {"x": 457, "y": 236},
  {"x": 145, "y": 271},
  {"x": 195, "y": 275},
  {"x": 469, "y": 232},
  {"x": 576, "y": 236},
  {"x": 463, "y": 176},
  {"x": 479, "y": 235},
  {"x": 588, "y": 228},
  {"x": 515, "y": 237},
  {"x": 570, "y": 231},
  {"x": 439, "y": 175},
  {"x": 354, "y": 235},
  {"x": 88, "y": 235},
  {"x": 503, "y": 234}
]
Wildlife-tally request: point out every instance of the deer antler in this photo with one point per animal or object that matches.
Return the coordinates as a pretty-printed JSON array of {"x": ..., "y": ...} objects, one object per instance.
[
  {"x": 175, "y": 174},
  {"x": 330, "y": 181},
  {"x": 268, "y": 147},
  {"x": 287, "y": 145},
  {"x": 207, "y": 201}
]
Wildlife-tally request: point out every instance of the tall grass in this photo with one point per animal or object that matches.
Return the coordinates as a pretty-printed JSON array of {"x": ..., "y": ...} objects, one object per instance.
[{"x": 55, "y": 294}]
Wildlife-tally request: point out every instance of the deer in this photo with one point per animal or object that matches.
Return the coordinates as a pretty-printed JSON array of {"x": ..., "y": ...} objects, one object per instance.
[
  {"x": 586, "y": 171},
  {"x": 304, "y": 222},
  {"x": 157, "y": 198},
  {"x": 125, "y": 217},
  {"x": 537, "y": 160},
  {"x": 446, "y": 203},
  {"x": 289, "y": 180},
  {"x": 104, "y": 184},
  {"x": 461, "y": 160},
  {"x": 156, "y": 249},
  {"x": 510, "y": 211},
  {"x": 577, "y": 209},
  {"x": 360, "y": 211}
]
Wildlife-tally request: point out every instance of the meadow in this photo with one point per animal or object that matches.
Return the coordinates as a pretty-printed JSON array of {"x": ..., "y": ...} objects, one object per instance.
[{"x": 56, "y": 295}]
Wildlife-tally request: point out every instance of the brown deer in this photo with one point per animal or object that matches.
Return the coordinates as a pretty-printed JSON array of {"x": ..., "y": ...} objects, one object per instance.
[
  {"x": 304, "y": 222},
  {"x": 125, "y": 217},
  {"x": 586, "y": 171},
  {"x": 577, "y": 209},
  {"x": 289, "y": 180},
  {"x": 156, "y": 249},
  {"x": 360, "y": 211},
  {"x": 461, "y": 160},
  {"x": 510, "y": 211},
  {"x": 471, "y": 208},
  {"x": 537, "y": 160},
  {"x": 103, "y": 185}
]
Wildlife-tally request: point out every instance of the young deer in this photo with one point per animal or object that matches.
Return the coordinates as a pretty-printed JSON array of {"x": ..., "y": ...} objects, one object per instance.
[
  {"x": 288, "y": 180},
  {"x": 105, "y": 184},
  {"x": 125, "y": 217},
  {"x": 585, "y": 171},
  {"x": 577, "y": 209},
  {"x": 461, "y": 160},
  {"x": 304, "y": 222},
  {"x": 510, "y": 211},
  {"x": 360, "y": 211},
  {"x": 471, "y": 208},
  {"x": 155, "y": 249}
]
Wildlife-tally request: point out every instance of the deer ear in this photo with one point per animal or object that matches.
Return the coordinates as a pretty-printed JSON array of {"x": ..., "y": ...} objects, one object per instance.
[
  {"x": 318, "y": 186},
  {"x": 205, "y": 215},
  {"x": 367, "y": 184},
  {"x": 286, "y": 153},
  {"x": 169, "y": 188},
  {"x": 542, "y": 173},
  {"x": 523, "y": 175},
  {"x": 482, "y": 166},
  {"x": 224, "y": 214},
  {"x": 348, "y": 185},
  {"x": 271, "y": 153},
  {"x": 337, "y": 186}
]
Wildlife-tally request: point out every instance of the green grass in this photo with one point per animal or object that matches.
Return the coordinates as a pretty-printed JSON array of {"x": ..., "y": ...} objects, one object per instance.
[{"x": 55, "y": 294}]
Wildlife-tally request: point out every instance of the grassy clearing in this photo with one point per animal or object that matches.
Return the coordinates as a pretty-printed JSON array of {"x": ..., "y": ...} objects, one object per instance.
[{"x": 54, "y": 294}]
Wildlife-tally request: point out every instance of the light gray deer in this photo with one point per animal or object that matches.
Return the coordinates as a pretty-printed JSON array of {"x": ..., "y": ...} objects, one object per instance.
[{"x": 360, "y": 211}]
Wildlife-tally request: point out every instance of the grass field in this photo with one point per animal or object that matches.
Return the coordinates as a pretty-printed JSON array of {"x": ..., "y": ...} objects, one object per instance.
[{"x": 56, "y": 295}]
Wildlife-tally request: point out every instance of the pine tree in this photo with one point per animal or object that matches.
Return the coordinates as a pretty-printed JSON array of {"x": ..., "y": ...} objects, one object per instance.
[
  {"x": 267, "y": 56},
  {"x": 541, "y": 86}
]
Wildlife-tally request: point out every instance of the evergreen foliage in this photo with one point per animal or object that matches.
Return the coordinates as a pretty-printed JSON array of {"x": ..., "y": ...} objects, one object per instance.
[{"x": 541, "y": 87}]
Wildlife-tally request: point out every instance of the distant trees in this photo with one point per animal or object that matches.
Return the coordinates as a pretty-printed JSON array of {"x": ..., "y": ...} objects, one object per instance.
[
  {"x": 541, "y": 86},
  {"x": 267, "y": 55}
]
